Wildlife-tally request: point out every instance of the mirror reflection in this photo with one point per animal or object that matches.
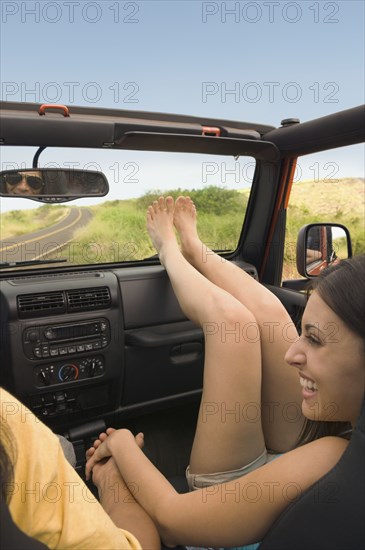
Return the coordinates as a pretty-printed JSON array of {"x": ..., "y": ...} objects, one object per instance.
[
  {"x": 42, "y": 184},
  {"x": 325, "y": 245}
]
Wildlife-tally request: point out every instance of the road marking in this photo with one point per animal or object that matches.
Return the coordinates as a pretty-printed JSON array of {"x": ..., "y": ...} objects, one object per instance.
[
  {"x": 9, "y": 247},
  {"x": 52, "y": 250}
]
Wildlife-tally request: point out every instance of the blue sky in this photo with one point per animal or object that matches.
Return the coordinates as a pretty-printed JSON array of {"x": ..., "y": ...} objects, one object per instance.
[
  {"x": 281, "y": 59},
  {"x": 255, "y": 61}
]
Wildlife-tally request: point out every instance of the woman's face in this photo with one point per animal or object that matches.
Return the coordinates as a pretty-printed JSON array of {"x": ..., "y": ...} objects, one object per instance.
[{"x": 330, "y": 362}]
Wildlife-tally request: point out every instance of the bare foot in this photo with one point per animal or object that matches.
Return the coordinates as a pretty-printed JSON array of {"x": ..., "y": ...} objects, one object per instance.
[
  {"x": 110, "y": 484},
  {"x": 104, "y": 473},
  {"x": 102, "y": 437},
  {"x": 185, "y": 223},
  {"x": 160, "y": 224}
]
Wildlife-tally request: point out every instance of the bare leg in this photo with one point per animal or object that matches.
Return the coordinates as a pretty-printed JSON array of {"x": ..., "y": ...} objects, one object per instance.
[
  {"x": 281, "y": 392},
  {"x": 226, "y": 437}
]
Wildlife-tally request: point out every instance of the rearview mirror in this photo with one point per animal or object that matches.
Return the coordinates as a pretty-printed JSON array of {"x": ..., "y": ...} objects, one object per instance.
[
  {"x": 52, "y": 184},
  {"x": 320, "y": 245}
]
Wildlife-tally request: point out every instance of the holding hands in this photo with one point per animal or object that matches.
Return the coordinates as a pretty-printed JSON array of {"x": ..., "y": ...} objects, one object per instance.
[{"x": 103, "y": 446}]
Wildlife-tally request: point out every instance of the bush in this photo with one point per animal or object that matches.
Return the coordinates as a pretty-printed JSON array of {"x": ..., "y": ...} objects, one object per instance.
[{"x": 210, "y": 200}]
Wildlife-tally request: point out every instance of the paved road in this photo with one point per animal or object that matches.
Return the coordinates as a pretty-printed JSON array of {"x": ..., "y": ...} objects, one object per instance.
[{"x": 47, "y": 243}]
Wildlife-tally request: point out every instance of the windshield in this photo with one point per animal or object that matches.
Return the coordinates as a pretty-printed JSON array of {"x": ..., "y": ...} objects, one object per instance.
[{"x": 111, "y": 229}]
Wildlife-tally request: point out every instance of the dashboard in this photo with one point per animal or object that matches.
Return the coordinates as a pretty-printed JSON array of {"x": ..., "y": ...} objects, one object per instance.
[
  {"x": 80, "y": 344},
  {"x": 56, "y": 347}
]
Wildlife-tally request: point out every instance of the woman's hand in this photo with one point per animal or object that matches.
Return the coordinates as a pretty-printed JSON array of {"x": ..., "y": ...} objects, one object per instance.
[
  {"x": 102, "y": 448},
  {"x": 118, "y": 500}
]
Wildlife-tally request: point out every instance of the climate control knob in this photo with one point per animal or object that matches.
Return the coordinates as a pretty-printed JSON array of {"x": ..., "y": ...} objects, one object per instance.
[
  {"x": 43, "y": 377},
  {"x": 92, "y": 366},
  {"x": 68, "y": 372}
]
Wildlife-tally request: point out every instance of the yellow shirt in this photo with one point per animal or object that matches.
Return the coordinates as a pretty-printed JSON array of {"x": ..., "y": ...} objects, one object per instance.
[{"x": 49, "y": 501}]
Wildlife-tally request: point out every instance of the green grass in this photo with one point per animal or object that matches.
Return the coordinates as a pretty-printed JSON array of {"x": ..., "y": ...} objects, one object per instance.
[
  {"x": 20, "y": 222},
  {"x": 117, "y": 231},
  {"x": 339, "y": 201}
]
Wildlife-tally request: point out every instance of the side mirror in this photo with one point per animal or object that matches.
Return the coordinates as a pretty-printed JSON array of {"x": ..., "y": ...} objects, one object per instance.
[
  {"x": 320, "y": 245},
  {"x": 52, "y": 185}
]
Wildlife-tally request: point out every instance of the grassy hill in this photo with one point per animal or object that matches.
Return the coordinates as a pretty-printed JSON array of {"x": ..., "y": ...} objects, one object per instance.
[
  {"x": 117, "y": 231},
  {"x": 335, "y": 198},
  {"x": 21, "y": 222},
  {"x": 337, "y": 201}
]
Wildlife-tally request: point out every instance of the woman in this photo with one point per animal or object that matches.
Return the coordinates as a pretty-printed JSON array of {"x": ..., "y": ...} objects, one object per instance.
[{"x": 253, "y": 403}]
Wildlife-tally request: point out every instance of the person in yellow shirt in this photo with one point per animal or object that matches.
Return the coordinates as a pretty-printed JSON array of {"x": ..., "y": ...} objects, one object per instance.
[{"x": 47, "y": 499}]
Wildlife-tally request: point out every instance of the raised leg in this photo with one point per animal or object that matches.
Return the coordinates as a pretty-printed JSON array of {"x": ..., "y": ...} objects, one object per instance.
[
  {"x": 229, "y": 433},
  {"x": 281, "y": 393}
]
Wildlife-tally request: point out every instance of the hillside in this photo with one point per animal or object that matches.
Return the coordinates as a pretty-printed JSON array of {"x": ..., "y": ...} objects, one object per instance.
[
  {"x": 118, "y": 227},
  {"x": 332, "y": 198},
  {"x": 338, "y": 201}
]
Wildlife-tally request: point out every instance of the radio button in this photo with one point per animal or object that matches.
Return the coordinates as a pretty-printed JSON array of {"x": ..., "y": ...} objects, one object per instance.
[{"x": 32, "y": 336}]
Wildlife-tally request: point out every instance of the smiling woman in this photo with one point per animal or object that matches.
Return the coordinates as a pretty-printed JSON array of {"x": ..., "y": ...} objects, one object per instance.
[
  {"x": 230, "y": 452},
  {"x": 219, "y": 124},
  {"x": 149, "y": 332},
  {"x": 328, "y": 343}
]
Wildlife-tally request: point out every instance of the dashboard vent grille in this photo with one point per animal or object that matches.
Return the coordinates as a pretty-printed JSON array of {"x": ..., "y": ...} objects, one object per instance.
[
  {"x": 88, "y": 298},
  {"x": 38, "y": 305}
]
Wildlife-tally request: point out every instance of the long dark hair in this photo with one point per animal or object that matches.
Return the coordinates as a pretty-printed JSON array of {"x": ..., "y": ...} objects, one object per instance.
[
  {"x": 7, "y": 460},
  {"x": 342, "y": 288}
]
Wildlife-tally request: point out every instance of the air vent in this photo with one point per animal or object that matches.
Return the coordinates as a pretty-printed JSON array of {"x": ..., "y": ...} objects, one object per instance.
[
  {"x": 39, "y": 305},
  {"x": 88, "y": 298}
]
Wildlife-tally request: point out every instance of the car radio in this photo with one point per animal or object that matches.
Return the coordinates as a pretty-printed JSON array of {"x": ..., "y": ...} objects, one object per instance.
[{"x": 45, "y": 341}]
